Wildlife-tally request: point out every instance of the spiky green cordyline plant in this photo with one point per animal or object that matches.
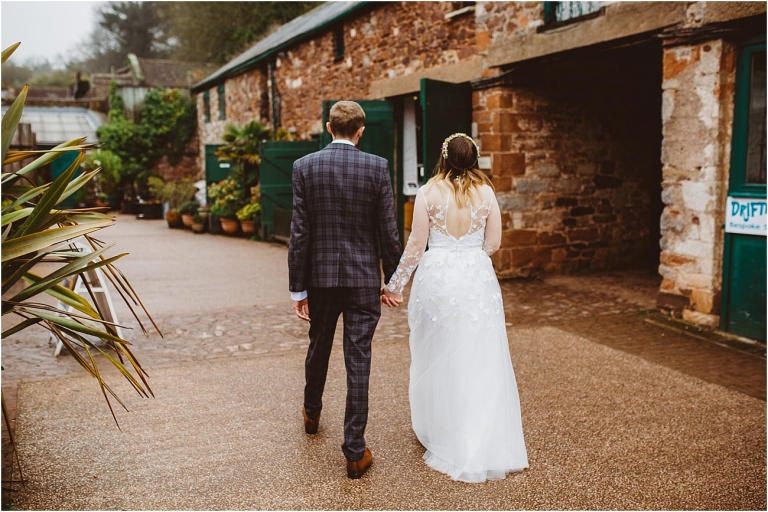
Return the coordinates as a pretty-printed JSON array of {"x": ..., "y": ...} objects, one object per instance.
[{"x": 35, "y": 231}]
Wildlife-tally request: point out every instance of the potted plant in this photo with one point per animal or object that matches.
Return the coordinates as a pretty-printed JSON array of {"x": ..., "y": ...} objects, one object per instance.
[
  {"x": 198, "y": 224},
  {"x": 187, "y": 211},
  {"x": 204, "y": 212},
  {"x": 227, "y": 195},
  {"x": 227, "y": 215},
  {"x": 174, "y": 194},
  {"x": 249, "y": 215},
  {"x": 102, "y": 200},
  {"x": 106, "y": 182}
]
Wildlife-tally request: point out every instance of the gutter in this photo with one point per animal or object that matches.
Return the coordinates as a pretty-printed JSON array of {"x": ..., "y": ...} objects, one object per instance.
[{"x": 207, "y": 84}]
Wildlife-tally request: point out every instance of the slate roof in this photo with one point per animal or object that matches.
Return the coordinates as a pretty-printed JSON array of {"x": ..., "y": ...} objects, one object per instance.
[
  {"x": 288, "y": 33},
  {"x": 54, "y": 125},
  {"x": 172, "y": 73}
]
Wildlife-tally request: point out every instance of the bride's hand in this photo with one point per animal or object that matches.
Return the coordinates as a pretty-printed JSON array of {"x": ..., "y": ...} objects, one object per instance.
[{"x": 391, "y": 299}]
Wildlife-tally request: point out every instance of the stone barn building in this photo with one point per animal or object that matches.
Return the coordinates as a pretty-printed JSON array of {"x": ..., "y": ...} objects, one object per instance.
[{"x": 617, "y": 135}]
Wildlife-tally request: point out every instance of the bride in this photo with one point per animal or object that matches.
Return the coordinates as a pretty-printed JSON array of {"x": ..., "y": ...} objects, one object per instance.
[{"x": 464, "y": 403}]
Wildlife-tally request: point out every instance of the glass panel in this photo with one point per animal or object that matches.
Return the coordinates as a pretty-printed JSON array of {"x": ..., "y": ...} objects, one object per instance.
[
  {"x": 569, "y": 10},
  {"x": 755, "y": 171}
]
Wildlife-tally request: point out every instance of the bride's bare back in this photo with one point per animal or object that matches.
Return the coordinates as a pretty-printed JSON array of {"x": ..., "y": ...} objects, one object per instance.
[{"x": 437, "y": 210}]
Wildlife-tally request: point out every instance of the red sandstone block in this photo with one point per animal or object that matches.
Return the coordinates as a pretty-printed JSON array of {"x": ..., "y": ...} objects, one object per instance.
[
  {"x": 675, "y": 260},
  {"x": 522, "y": 257},
  {"x": 502, "y": 183},
  {"x": 508, "y": 164},
  {"x": 518, "y": 237},
  {"x": 583, "y": 234},
  {"x": 514, "y": 123},
  {"x": 551, "y": 239},
  {"x": 475, "y": 99},
  {"x": 531, "y": 257},
  {"x": 481, "y": 116},
  {"x": 498, "y": 99},
  {"x": 484, "y": 128},
  {"x": 501, "y": 260},
  {"x": 506, "y": 220},
  {"x": 482, "y": 40},
  {"x": 466, "y": 52},
  {"x": 491, "y": 142}
]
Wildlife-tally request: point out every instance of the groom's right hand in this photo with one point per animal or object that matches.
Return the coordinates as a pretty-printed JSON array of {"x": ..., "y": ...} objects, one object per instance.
[
  {"x": 301, "y": 308},
  {"x": 391, "y": 299}
]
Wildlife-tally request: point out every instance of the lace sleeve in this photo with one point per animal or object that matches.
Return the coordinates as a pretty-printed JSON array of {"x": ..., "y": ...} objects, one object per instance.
[
  {"x": 493, "y": 227},
  {"x": 414, "y": 249}
]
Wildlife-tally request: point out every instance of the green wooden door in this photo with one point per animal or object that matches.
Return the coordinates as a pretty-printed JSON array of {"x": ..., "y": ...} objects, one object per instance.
[
  {"x": 378, "y": 139},
  {"x": 276, "y": 170},
  {"x": 58, "y": 167},
  {"x": 743, "y": 307},
  {"x": 379, "y": 136},
  {"x": 215, "y": 170},
  {"x": 446, "y": 109}
]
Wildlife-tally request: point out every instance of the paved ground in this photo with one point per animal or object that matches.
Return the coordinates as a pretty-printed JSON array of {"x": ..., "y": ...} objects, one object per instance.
[{"x": 665, "y": 421}]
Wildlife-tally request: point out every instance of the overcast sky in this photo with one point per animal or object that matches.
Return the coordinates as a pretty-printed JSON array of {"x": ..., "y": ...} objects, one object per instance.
[{"x": 45, "y": 29}]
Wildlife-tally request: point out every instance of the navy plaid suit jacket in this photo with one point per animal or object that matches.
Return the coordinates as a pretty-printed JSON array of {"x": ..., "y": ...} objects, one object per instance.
[{"x": 342, "y": 198}]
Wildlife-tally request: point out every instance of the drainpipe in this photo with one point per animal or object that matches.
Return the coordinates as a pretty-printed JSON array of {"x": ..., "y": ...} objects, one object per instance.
[{"x": 272, "y": 98}]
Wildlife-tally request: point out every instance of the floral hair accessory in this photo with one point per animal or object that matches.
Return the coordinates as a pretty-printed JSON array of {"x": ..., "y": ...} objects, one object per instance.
[{"x": 444, "y": 147}]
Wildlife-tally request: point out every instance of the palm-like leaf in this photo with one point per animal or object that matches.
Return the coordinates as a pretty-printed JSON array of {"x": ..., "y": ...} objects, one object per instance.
[
  {"x": 8, "y": 51},
  {"x": 33, "y": 233}
]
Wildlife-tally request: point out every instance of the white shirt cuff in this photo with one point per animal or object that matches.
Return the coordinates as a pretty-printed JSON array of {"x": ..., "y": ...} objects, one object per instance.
[{"x": 297, "y": 296}]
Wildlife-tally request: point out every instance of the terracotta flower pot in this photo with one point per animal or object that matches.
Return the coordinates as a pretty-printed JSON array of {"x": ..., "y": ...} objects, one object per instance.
[
  {"x": 248, "y": 227},
  {"x": 198, "y": 227},
  {"x": 173, "y": 219},
  {"x": 230, "y": 226},
  {"x": 187, "y": 220}
]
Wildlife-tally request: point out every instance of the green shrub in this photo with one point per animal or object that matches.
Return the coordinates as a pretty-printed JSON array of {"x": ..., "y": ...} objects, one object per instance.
[
  {"x": 174, "y": 193},
  {"x": 251, "y": 211},
  {"x": 189, "y": 208}
]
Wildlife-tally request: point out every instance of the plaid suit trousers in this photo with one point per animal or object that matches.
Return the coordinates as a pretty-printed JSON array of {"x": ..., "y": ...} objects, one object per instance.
[{"x": 360, "y": 309}]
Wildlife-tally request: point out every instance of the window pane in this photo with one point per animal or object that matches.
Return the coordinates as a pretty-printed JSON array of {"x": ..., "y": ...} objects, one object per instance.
[
  {"x": 755, "y": 172},
  {"x": 569, "y": 10},
  {"x": 222, "y": 103}
]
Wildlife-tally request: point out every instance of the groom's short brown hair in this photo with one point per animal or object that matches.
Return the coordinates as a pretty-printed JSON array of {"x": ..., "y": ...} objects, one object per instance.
[{"x": 346, "y": 117}]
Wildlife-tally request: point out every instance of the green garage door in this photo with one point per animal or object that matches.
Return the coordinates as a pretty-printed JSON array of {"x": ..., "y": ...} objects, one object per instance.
[
  {"x": 744, "y": 289},
  {"x": 276, "y": 171}
]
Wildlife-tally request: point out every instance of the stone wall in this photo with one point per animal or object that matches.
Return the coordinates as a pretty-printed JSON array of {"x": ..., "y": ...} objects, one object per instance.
[
  {"x": 187, "y": 167},
  {"x": 575, "y": 138},
  {"x": 697, "y": 117},
  {"x": 388, "y": 41},
  {"x": 575, "y": 162},
  {"x": 247, "y": 99}
]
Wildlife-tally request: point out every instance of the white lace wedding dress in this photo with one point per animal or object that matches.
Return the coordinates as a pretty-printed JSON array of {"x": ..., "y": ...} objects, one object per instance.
[{"x": 465, "y": 407}]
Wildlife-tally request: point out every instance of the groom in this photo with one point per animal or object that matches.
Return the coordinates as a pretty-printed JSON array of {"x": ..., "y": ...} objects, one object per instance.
[{"x": 342, "y": 199}]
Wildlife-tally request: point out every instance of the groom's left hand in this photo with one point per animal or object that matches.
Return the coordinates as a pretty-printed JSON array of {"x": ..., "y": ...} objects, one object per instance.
[{"x": 301, "y": 307}]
